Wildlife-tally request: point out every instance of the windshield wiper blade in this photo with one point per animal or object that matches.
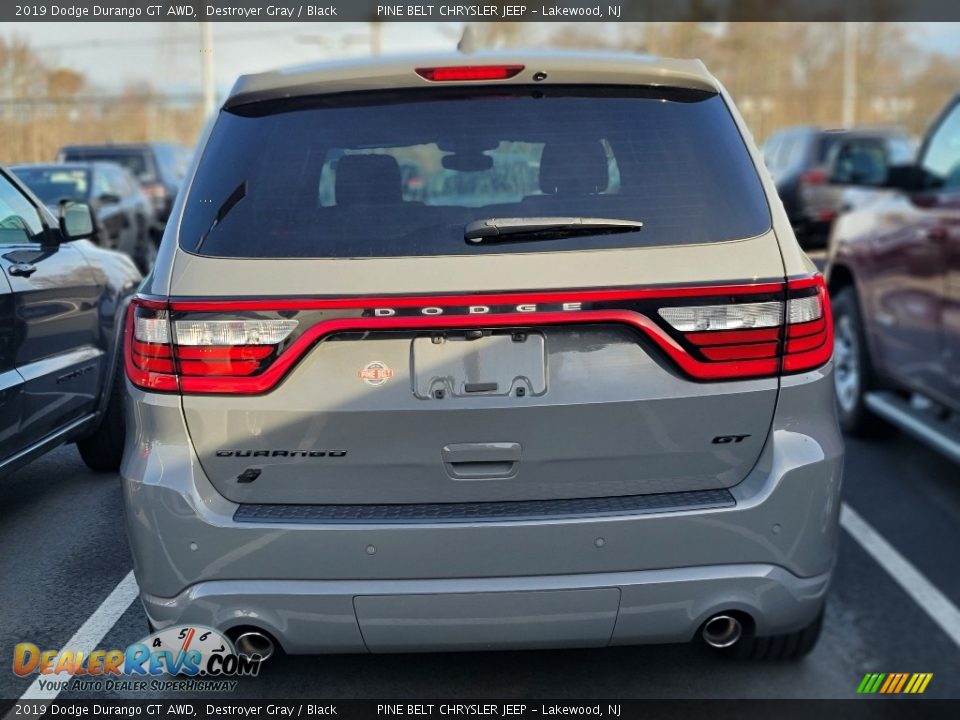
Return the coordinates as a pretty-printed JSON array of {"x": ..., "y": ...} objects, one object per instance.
[
  {"x": 495, "y": 230},
  {"x": 238, "y": 194}
]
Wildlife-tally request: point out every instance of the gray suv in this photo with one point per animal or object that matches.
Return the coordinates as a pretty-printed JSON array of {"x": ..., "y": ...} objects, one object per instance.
[{"x": 483, "y": 352}]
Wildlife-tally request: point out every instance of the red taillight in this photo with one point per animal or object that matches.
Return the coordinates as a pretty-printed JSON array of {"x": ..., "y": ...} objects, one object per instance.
[
  {"x": 457, "y": 73},
  {"x": 244, "y": 346},
  {"x": 814, "y": 177},
  {"x": 759, "y": 338},
  {"x": 147, "y": 352},
  {"x": 154, "y": 191},
  {"x": 167, "y": 353},
  {"x": 809, "y": 340}
]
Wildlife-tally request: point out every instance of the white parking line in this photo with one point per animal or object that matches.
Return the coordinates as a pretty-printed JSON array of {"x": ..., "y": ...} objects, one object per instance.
[
  {"x": 90, "y": 634},
  {"x": 943, "y": 612}
]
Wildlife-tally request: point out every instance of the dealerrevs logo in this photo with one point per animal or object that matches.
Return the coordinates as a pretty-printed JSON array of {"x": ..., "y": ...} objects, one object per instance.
[{"x": 192, "y": 651}]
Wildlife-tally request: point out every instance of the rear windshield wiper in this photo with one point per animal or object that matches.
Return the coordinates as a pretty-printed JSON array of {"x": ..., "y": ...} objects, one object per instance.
[
  {"x": 238, "y": 194},
  {"x": 498, "y": 230}
]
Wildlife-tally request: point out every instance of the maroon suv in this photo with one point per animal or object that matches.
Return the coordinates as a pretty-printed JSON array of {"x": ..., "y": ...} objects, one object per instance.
[{"x": 894, "y": 275}]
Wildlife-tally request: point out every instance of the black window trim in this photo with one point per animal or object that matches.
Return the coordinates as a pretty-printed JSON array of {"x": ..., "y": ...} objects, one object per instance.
[
  {"x": 940, "y": 120},
  {"x": 51, "y": 234}
]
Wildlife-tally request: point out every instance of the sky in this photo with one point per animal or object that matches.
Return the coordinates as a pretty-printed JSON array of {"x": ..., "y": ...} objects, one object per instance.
[
  {"x": 113, "y": 55},
  {"x": 167, "y": 55}
]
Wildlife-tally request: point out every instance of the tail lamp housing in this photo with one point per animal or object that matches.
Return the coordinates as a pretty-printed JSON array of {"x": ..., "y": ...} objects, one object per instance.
[{"x": 247, "y": 346}]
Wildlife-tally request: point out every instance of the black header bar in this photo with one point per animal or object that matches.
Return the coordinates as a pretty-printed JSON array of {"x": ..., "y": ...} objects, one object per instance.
[
  {"x": 488, "y": 709},
  {"x": 490, "y": 11}
]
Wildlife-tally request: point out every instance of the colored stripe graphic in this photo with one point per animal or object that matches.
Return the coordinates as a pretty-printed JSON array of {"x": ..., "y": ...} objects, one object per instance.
[
  {"x": 900, "y": 684},
  {"x": 894, "y": 683}
]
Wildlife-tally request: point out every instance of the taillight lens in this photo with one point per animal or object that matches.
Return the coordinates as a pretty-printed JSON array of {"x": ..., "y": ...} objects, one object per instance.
[
  {"x": 247, "y": 346},
  {"x": 814, "y": 177},
  {"x": 809, "y": 327},
  {"x": 148, "y": 355},
  {"x": 724, "y": 317},
  {"x": 164, "y": 352},
  {"x": 758, "y": 338},
  {"x": 459, "y": 73},
  {"x": 233, "y": 333},
  {"x": 154, "y": 191}
]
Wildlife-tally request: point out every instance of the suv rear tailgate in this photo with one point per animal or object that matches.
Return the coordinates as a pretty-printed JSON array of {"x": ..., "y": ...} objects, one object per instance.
[{"x": 610, "y": 415}]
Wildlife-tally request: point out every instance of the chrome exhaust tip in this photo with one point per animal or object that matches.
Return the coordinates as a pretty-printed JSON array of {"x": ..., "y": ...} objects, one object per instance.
[
  {"x": 253, "y": 642},
  {"x": 722, "y": 631}
]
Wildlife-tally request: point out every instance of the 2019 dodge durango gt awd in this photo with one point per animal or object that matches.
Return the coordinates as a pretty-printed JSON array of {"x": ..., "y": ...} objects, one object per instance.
[{"x": 483, "y": 352}]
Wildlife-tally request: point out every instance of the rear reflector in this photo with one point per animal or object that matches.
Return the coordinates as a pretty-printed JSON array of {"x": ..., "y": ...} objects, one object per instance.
[
  {"x": 469, "y": 72},
  {"x": 247, "y": 346}
]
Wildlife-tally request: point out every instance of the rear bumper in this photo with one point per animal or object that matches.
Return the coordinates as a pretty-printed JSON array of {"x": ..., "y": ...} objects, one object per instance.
[
  {"x": 651, "y": 606},
  {"x": 531, "y": 582}
]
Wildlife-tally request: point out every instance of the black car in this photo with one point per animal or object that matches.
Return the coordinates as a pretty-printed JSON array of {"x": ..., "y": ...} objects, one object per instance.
[
  {"x": 62, "y": 303},
  {"x": 123, "y": 214},
  {"x": 798, "y": 159},
  {"x": 159, "y": 168}
]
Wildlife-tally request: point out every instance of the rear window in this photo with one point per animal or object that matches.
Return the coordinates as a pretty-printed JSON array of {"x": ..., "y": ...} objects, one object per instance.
[
  {"x": 52, "y": 185},
  {"x": 827, "y": 144},
  {"x": 402, "y": 174},
  {"x": 136, "y": 162},
  {"x": 173, "y": 162}
]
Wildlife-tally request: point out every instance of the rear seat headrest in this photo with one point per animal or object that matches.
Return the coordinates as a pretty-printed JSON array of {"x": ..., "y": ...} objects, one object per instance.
[
  {"x": 368, "y": 180},
  {"x": 573, "y": 168}
]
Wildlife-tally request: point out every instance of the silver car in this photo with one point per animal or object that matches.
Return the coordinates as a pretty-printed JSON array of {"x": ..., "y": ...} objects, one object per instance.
[{"x": 476, "y": 352}]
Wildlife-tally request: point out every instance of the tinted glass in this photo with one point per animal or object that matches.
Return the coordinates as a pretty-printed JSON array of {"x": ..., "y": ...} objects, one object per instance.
[
  {"x": 19, "y": 219},
  {"x": 791, "y": 152},
  {"x": 52, "y": 185},
  {"x": 901, "y": 151},
  {"x": 402, "y": 174},
  {"x": 862, "y": 161},
  {"x": 173, "y": 162},
  {"x": 770, "y": 149},
  {"x": 135, "y": 161},
  {"x": 102, "y": 184},
  {"x": 941, "y": 160},
  {"x": 827, "y": 145}
]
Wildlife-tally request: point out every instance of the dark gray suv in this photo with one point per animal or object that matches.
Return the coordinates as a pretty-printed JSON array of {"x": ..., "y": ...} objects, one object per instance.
[
  {"x": 486, "y": 352},
  {"x": 62, "y": 302}
]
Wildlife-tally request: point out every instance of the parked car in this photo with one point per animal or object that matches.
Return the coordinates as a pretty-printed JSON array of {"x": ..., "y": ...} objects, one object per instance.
[
  {"x": 62, "y": 300},
  {"x": 573, "y": 388},
  {"x": 122, "y": 213},
  {"x": 856, "y": 163},
  {"x": 159, "y": 168},
  {"x": 892, "y": 274},
  {"x": 801, "y": 160}
]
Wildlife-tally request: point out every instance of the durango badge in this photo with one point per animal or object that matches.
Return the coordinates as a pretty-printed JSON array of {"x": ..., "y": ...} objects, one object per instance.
[{"x": 375, "y": 373}]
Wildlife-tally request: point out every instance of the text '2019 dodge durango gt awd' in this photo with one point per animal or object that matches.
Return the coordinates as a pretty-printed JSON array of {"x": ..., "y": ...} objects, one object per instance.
[{"x": 483, "y": 352}]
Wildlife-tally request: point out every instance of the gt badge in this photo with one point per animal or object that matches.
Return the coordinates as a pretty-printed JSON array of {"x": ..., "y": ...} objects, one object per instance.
[{"x": 375, "y": 373}]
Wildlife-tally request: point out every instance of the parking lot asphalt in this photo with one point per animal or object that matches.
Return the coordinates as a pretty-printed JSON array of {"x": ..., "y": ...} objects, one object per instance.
[{"x": 64, "y": 550}]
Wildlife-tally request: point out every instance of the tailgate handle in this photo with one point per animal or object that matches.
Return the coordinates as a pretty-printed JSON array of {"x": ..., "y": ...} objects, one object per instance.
[{"x": 477, "y": 461}]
